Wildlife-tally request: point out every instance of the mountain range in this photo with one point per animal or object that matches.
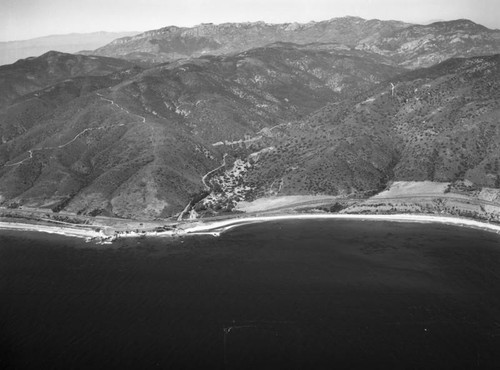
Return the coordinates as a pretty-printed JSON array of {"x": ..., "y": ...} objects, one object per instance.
[
  {"x": 214, "y": 114},
  {"x": 404, "y": 44}
]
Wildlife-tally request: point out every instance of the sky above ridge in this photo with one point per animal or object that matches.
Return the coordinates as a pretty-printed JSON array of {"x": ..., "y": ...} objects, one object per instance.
[{"x": 26, "y": 19}]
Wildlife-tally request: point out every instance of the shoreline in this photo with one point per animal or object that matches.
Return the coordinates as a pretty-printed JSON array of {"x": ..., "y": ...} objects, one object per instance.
[
  {"x": 216, "y": 228},
  {"x": 219, "y": 227},
  {"x": 76, "y": 232}
]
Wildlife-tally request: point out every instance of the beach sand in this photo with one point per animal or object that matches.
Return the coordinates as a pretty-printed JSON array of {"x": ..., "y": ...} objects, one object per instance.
[
  {"x": 222, "y": 226},
  {"x": 218, "y": 227},
  {"x": 215, "y": 228}
]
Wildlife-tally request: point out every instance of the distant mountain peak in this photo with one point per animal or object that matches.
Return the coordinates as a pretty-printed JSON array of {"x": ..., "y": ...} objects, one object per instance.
[
  {"x": 172, "y": 42},
  {"x": 409, "y": 45},
  {"x": 53, "y": 53},
  {"x": 459, "y": 23}
]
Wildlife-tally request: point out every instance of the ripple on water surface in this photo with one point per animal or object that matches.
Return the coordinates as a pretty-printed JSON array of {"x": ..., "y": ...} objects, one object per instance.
[{"x": 286, "y": 294}]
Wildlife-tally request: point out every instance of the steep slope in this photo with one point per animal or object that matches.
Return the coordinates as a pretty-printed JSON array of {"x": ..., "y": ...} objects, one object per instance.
[
  {"x": 411, "y": 46},
  {"x": 28, "y": 75},
  {"x": 440, "y": 123},
  {"x": 137, "y": 144},
  {"x": 11, "y": 51},
  {"x": 85, "y": 149}
]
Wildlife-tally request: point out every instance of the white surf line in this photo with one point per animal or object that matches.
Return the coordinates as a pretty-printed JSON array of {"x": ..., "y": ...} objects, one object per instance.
[
  {"x": 212, "y": 171},
  {"x": 53, "y": 229},
  {"x": 213, "y": 228}
]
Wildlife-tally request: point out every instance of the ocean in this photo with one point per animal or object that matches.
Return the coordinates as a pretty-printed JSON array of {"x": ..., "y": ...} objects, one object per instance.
[{"x": 290, "y": 294}]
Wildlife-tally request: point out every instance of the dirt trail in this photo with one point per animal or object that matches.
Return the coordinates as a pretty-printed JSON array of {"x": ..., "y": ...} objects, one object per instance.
[
  {"x": 31, "y": 151},
  {"x": 143, "y": 119}
]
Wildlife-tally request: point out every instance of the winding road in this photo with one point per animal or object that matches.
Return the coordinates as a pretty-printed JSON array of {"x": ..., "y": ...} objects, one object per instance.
[
  {"x": 143, "y": 119},
  {"x": 203, "y": 180},
  {"x": 212, "y": 171}
]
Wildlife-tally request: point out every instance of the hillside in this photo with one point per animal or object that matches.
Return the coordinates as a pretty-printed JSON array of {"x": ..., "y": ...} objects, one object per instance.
[
  {"x": 439, "y": 123},
  {"x": 407, "y": 45},
  {"x": 346, "y": 114},
  {"x": 31, "y": 74},
  {"x": 138, "y": 143},
  {"x": 422, "y": 46}
]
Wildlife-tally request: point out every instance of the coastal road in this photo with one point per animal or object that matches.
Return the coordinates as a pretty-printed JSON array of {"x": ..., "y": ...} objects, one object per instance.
[
  {"x": 431, "y": 197},
  {"x": 43, "y": 214},
  {"x": 203, "y": 179}
]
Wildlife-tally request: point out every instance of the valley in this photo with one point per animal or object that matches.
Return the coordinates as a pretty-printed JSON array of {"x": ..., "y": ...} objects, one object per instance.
[{"x": 177, "y": 125}]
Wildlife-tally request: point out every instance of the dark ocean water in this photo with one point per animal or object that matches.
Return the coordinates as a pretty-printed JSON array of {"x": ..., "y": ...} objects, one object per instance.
[{"x": 290, "y": 294}]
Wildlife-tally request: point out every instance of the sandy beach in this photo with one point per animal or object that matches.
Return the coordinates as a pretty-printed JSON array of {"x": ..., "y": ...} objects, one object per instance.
[{"x": 216, "y": 228}]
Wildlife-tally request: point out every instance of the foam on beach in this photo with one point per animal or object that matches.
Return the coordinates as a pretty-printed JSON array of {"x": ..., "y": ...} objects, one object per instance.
[
  {"x": 222, "y": 226},
  {"x": 56, "y": 229},
  {"x": 216, "y": 228}
]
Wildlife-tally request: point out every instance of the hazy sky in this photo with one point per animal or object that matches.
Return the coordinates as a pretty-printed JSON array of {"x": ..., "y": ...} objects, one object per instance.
[{"x": 24, "y": 19}]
